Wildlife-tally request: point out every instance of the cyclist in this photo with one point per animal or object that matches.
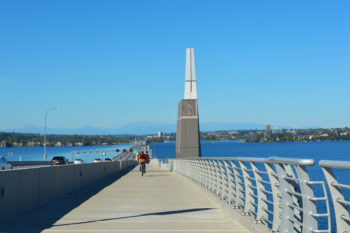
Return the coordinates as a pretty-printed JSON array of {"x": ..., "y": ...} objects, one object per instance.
[{"x": 142, "y": 158}]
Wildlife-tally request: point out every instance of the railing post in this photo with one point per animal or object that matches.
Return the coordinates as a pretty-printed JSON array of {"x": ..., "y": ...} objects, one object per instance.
[
  {"x": 230, "y": 183},
  {"x": 196, "y": 170},
  {"x": 260, "y": 188},
  {"x": 221, "y": 174},
  {"x": 308, "y": 205},
  {"x": 217, "y": 177},
  {"x": 248, "y": 198},
  {"x": 212, "y": 176},
  {"x": 276, "y": 196},
  {"x": 208, "y": 183},
  {"x": 201, "y": 177},
  {"x": 239, "y": 198},
  {"x": 191, "y": 170},
  {"x": 342, "y": 218},
  {"x": 287, "y": 214}
]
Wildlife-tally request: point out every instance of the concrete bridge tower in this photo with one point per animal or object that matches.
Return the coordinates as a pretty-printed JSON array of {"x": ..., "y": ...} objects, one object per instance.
[{"x": 187, "y": 131}]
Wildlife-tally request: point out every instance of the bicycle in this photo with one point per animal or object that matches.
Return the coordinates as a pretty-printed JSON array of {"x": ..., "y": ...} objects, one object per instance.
[{"x": 143, "y": 167}]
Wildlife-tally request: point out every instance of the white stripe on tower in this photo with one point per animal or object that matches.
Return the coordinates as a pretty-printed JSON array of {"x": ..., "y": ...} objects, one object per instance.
[{"x": 190, "y": 74}]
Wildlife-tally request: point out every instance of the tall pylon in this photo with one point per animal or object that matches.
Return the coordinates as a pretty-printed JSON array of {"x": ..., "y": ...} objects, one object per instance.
[
  {"x": 187, "y": 131},
  {"x": 190, "y": 75}
]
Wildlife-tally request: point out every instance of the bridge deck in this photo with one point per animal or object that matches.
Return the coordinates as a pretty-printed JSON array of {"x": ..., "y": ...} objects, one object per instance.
[{"x": 158, "y": 202}]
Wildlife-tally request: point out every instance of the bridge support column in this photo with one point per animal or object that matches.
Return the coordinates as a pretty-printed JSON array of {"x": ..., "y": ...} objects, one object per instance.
[{"x": 187, "y": 132}]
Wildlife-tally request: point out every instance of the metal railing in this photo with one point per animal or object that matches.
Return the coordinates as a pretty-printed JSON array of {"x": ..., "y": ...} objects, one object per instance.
[
  {"x": 340, "y": 193},
  {"x": 276, "y": 192}
]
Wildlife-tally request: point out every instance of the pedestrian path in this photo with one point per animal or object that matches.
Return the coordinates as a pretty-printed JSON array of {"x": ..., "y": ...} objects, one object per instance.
[{"x": 160, "y": 201}]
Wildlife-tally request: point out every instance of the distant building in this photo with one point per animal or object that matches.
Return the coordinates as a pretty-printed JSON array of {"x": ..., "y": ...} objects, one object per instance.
[
  {"x": 160, "y": 134},
  {"x": 2, "y": 144},
  {"x": 292, "y": 131},
  {"x": 267, "y": 129},
  {"x": 33, "y": 144},
  {"x": 276, "y": 130},
  {"x": 58, "y": 144}
]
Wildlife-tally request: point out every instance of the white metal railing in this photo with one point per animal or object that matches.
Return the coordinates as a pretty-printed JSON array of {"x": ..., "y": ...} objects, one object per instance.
[
  {"x": 340, "y": 192},
  {"x": 276, "y": 192}
]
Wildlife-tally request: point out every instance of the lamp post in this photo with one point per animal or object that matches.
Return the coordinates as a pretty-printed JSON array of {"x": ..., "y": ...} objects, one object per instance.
[{"x": 55, "y": 108}]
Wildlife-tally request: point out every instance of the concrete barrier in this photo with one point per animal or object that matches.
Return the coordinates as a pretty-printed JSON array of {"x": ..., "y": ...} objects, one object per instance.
[
  {"x": 24, "y": 189},
  {"x": 29, "y": 163}
]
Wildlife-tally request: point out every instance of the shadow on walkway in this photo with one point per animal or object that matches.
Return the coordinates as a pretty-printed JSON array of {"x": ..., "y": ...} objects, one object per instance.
[
  {"x": 44, "y": 216},
  {"x": 139, "y": 215}
]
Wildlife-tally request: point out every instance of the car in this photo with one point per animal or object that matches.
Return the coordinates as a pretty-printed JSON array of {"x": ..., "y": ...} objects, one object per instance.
[
  {"x": 97, "y": 160},
  {"x": 125, "y": 150},
  {"x": 4, "y": 164},
  {"x": 59, "y": 160},
  {"x": 78, "y": 161},
  {"x": 108, "y": 160}
]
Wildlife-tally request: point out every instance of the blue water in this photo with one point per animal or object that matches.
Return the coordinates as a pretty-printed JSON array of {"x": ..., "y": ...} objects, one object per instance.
[
  {"x": 315, "y": 150},
  {"x": 308, "y": 150},
  {"x": 36, "y": 153}
]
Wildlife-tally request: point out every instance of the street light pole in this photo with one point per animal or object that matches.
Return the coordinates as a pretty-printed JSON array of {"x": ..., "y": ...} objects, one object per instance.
[{"x": 55, "y": 108}]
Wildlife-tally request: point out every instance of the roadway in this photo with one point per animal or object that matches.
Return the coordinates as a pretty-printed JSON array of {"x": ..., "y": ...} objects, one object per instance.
[
  {"x": 125, "y": 156},
  {"x": 122, "y": 156},
  {"x": 161, "y": 201}
]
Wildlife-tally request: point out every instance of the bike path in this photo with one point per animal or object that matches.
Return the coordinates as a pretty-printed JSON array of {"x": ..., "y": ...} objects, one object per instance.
[{"x": 160, "y": 201}]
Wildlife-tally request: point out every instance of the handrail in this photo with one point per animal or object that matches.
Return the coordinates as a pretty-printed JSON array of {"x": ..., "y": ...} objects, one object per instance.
[
  {"x": 303, "y": 162},
  {"x": 275, "y": 192},
  {"x": 335, "y": 164}
]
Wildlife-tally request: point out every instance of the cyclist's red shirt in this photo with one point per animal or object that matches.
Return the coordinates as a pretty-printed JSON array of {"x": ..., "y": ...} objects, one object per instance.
[{"x": 142, "y": 158}]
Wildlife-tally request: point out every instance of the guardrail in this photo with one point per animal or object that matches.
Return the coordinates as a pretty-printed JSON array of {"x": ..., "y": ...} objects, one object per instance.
[{"x": 276, "y": 193}]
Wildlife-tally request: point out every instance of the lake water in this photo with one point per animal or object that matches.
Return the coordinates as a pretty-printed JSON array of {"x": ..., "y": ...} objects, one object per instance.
[
  {"x": 308, "y": 150},
  {"x": 315, "y": 150},
  {"x": 37, "y": 153}
]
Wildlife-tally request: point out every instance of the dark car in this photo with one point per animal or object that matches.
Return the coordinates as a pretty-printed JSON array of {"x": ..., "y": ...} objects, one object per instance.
[
  {"x": 97, "y": 160},
  {"x": 59, "y": 160},
  {"x": 108, "y": 160}
]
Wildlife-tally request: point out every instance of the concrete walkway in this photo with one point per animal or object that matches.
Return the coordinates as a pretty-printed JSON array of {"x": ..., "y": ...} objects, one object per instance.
[{"x": 160, "y": 201}]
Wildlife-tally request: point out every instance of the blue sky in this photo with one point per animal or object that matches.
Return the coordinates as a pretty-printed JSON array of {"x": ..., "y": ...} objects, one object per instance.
[{"x": 110, "y": 63}]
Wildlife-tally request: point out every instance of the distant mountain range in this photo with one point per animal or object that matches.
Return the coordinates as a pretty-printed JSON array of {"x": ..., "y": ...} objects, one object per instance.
[{"x": 139, "y": 128}]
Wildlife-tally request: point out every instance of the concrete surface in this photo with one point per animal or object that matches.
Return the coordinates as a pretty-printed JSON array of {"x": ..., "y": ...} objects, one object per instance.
[{"x": 158, "y": 202}]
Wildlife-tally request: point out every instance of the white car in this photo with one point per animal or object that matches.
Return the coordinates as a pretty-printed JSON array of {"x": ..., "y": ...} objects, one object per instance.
[
  {"x": 4, "y": 164},
  {"x": 97, "y": 161},
  {"x": 78, "y": 161}
]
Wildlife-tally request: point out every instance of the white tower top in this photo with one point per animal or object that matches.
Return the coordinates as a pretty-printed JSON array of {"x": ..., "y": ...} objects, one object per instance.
[{"x": 190, "y": 81}]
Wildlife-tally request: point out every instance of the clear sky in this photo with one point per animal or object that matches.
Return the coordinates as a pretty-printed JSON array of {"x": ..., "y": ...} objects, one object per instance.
[{"x": 109, "y": 63}]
